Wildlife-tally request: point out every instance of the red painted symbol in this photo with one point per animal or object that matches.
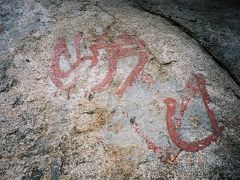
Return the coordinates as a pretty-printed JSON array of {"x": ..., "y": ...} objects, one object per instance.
[
  {"x": 122, "y": 47},
  {"x": 198, "y": 86},
  {"x": 168, "y": 154}
]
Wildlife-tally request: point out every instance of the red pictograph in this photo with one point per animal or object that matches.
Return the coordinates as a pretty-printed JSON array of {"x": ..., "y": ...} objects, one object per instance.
[
  {"x": 197, "y": 86},
  {"x": 124, "y": 46},
  {"x": 167, "y": 154},
  {"x": 120, "y": 48}
]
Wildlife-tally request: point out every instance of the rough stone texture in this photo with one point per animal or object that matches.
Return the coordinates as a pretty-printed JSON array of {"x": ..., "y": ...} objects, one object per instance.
[
  {"x": 52, "y": 131},
  {"x": 215, "y": 25}
]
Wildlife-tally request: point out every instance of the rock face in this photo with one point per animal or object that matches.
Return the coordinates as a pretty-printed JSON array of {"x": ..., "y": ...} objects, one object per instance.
[
  {"x": 214, "y": 24},
  {"x": 102, "y": 90}
]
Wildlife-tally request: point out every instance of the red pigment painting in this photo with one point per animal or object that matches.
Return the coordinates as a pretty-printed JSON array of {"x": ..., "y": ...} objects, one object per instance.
[
  {"x": 167, "y": 154},
  {"x": 124, "y": 46},
  {"x": 197, "y": 86}
]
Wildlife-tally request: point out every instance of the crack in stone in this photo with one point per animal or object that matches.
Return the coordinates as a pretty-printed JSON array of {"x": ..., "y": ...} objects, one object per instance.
[
  {"x": 110, "y": 14},
  {"x": 235, "y": 94},
  {"x": 193, "y": 36},
  {"x": 167, "y": 63}
]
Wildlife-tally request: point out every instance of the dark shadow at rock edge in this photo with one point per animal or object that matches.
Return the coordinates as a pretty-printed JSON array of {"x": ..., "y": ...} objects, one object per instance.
[{"x": 214, "y": 25}]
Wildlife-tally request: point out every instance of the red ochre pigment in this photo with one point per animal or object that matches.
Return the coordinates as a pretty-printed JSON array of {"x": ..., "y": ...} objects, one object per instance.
[
  {"x": 167, "y": 154},
  {"x": 115, "y": 51},
  {"x": 120, "y": 49},
  {"x": 197, "y": 86}
]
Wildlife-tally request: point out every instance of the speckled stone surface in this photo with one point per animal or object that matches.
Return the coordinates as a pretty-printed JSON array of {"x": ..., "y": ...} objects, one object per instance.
[
  {"x": 215, "y": 25},
  {"x": 96, "y": 90}
]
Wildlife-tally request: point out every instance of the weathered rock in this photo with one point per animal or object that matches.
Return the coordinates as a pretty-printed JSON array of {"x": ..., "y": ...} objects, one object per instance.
[
  {"x": 215, "y": 25},
  {"x": 161, "y": 94}
]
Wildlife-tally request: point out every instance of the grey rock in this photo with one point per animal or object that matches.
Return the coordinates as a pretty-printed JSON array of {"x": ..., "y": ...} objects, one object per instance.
[
  {"x": 215, "y": 25},
  {"x": 53, "y": 132}
]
